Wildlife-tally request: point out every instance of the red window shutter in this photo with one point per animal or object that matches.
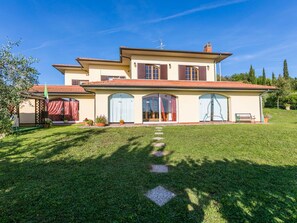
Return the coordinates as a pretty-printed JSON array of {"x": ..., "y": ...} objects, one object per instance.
[
  {"x": 202, "y": 73},
  {"x": 182, "y": 72},
  {"x": 141, "y": 71},
  {"x": 163, "y": 72},
  {"x": 75, "y": 82}
]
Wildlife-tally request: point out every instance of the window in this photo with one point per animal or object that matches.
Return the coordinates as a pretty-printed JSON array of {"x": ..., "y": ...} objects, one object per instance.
[
  {"x": 105, "y": 77},
  {"x": 78, "y": 82},
  {"x": 192, "y": 73},
  {"x": 159, "y": 108},
  {"x": 152, "y": 71}
]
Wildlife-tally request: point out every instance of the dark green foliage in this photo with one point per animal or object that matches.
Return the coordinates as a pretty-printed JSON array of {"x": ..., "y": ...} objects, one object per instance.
[
  {"x": 263, "y": 77},
  {"x": 273, "y": 79},
  {"x": 285, "y": 70},
  {"x": 16, "y": 76},
  {"x": 252, "y": 76}
]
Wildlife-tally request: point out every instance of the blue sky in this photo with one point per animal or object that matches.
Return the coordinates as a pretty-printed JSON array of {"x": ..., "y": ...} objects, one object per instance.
[{"x": 258, "y": 32}]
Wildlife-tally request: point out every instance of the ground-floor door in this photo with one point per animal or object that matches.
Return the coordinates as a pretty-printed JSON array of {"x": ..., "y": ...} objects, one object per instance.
[
  {"x": 121, "y": 107},
  {"x": 213, "y": 107}
]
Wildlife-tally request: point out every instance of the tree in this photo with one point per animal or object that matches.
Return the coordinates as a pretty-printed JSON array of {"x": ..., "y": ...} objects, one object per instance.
[
  {"x": 17, "y": 76},
  {"x": 252, "y": 77},
  {"x": 273, "y": 79},
  {"x": 284, "y": 89},
  {"x": 263, "y": 77},
  {"x": 285, "y": 70}
]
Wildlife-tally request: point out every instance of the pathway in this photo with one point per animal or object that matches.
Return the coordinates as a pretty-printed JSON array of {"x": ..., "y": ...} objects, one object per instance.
[{"x": 159, "y": 195}]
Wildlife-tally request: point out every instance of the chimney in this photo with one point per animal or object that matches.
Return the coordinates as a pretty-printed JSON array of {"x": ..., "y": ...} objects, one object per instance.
[{"x": 207, "y": 48}]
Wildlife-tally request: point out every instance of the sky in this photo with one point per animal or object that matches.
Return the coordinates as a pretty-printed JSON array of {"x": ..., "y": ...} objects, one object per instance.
[{"x": 261, "y": 33}]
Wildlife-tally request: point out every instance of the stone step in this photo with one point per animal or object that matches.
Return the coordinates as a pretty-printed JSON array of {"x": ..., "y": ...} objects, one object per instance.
[
  {"x": 160, "y": 195},
  {"x": 158, "y": 144},
  {"x": 157, "y": 138},
  {"x": 159, "y": 168}
]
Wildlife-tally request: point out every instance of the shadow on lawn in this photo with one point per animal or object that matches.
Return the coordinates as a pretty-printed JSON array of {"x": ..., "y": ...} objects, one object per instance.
[{"x": 110, "y": 188}]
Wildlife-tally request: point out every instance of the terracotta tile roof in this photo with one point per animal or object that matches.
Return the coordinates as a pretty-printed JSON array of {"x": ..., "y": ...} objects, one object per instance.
[
  {"x": 58, "y": 89},
  {"x": 177, "y": 84}
]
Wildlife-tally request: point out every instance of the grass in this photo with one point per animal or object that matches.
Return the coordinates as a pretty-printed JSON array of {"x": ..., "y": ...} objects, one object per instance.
[{"x": 220, "y": 173}]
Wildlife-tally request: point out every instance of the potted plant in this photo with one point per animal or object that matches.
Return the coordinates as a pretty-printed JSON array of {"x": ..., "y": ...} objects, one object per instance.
[
  {"x": 101, "y": 120},
  {"x": 47, "y": 123},
  {"x": 90, "y": 122},
  {"x": 122, "y": 122},
  {"x": 65, "y": 120},
  {"x": 288, "y": 106},
  {"x": 266, "y": 118},
  {"x": 86, "y": 121}
]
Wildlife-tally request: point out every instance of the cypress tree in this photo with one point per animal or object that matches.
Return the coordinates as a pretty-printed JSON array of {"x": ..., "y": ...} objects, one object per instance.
[
  {"x": 285, "y": 70},
  {"x": 252, "y": 77},
  {"x": 273, "y": 78},
  {"x": 263, "y": 77}
]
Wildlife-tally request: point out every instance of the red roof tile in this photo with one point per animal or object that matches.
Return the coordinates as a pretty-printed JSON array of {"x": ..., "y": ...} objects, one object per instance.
[
  {"x": 178, "y": 84},
  {"x": 58, "y": 89}
]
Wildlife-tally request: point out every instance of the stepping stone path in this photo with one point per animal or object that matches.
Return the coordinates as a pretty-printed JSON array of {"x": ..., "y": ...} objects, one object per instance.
[
  {"x": 159, "y": 144},
  {"x": 160, "y": 195},
  {"x": 159, "y": 169}
]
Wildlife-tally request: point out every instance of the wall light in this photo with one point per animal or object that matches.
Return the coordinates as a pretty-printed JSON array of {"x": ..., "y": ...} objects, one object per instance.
[
  {"x": 170, "y": 66},
  {"x": 207, "y": 67},
  {"x": 134, "y": 64}
]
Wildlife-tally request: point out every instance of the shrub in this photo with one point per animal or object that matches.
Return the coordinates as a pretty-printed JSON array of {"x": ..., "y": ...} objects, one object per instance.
[
  {"x": 101, "y": 119},
  {"x": 90, "y": 122}
]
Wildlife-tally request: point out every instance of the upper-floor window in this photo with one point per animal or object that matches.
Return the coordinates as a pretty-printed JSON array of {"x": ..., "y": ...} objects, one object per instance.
[
  {"x": 192, "y": 73},
  {"x": 78, "y": 82},
  {"x": 106, "y": 77},
  {"x": 152, "y": 71}
]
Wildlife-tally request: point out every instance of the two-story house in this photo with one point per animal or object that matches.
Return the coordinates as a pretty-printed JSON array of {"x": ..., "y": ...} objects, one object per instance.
[{"x": 152, "y": 86}]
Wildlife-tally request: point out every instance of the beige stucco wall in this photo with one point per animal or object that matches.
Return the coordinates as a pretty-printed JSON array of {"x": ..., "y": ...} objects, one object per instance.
[
  {"x": 95, "y": 71},
  {"x": 86, "y": 105},
  {"x": 74, "y": 75},
  {"x": 174, "y": 62},
  {"x": 244, "y": 103},
  {"x": 27, "y": 112},
  {"x": 187, "y": 103}
]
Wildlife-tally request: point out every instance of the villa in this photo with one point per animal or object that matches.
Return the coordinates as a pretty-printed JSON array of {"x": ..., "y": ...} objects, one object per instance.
[{"x": 148, "y": 86}]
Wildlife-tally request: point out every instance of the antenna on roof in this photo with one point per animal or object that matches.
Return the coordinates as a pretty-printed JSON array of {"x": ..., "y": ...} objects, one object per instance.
[{"x": 162, "y": 45}]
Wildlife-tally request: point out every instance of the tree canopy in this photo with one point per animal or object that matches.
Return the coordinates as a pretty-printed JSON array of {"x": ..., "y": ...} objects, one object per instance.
[{"x": 17, "y": 76}]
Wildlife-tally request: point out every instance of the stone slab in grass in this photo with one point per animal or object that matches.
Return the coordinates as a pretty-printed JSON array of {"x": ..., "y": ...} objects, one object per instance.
[
  {"x": 159, "y": 168},
  {"x": 159, "y": 153},
  {"x": 159, "y": 128},
  {"x": 158, "y": 133},
  {"x": 159, "y": 195},
  {"x": 159, "y": 144},
  {"x": 158, "y": 138}
]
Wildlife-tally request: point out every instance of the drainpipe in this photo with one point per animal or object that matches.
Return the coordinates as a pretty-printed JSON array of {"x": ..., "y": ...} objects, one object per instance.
[
  {"x": 219, "y": 63},
  {"x": 261, "y": 106}
]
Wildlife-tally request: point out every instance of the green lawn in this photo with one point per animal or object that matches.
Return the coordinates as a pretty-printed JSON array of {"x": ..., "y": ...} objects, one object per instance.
[{"x": 220, "y": 173}]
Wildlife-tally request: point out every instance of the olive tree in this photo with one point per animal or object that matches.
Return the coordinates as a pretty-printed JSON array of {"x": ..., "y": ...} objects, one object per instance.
[{"x": 17, "y": 76}]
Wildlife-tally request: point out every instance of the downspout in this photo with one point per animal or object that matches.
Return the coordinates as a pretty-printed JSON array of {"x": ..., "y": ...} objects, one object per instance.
[
  {"x": 261, "y": 106},
  {"x": 216, "y": 78}
]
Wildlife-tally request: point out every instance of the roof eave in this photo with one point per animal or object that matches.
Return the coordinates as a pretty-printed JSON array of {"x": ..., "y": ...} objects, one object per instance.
[{"x": 175, "y": 88}]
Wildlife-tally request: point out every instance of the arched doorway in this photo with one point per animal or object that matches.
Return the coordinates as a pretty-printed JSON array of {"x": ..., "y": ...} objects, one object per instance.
[
  {"x": 121, "y": 106},
  {"x": 213, "y": 107},
  {"x": 159, "y": 108},
  {"x": 61, "y": 109}
]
